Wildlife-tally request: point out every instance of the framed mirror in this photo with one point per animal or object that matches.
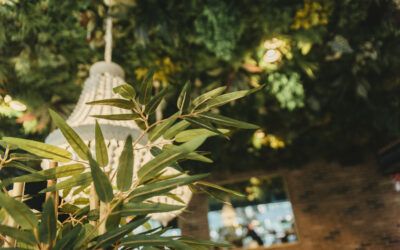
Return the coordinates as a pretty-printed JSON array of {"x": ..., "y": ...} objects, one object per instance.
[{"x": 263, "y": 217}]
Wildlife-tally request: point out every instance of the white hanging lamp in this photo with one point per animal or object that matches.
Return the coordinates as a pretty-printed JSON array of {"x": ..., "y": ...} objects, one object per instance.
[{"x": 103, "y": 77}]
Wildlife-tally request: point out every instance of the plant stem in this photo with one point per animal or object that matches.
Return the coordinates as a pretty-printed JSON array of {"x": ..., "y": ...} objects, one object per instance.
[
  {"x": 93, "y": 202},
  {"x": 104, "y": 213},
  {"x": 17, "y": 192},
  {"x": 53, "y": 194}
]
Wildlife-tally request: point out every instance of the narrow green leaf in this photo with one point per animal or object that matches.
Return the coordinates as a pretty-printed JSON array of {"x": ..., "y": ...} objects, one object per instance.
[
  {"x": 208, "y": 95},
  {"x": 125, "y": 90},
  {"x": 48, "y": 174},
  {"x": 101, "y": 148},
  {"x": 160, "y": 129},
  {"x": 20, "y": 166},
  {"x": 114, "y": 220},
  {"x": 194, "y": 156},
  {"x": 118, "y": 117},
  {"x": 69, "y": 208},
  {"x": 189, "y": 134},
  {"x": 48, "y": 225},
  {"x": 155, "y": 101},
  {"x": 220, "y": 188},
  {"x": 114, "y": 102},
  {"x": 24, "y": 157},
  {"x": 145, "y": 87},
  {"x": 135, "y": 208},
  {"x": 176, "y": 198},
  {"x": 161, "y": 161},
  {"x": 204, "y": 124},
  {"x": 18, "y": 234},
  {"x": 6, "y": 145},
  {"x": 114, "y": 235},
  {"x": 71, "y": 136},
  {"x": 175, "y": 129},
  {"x": 167, "y": 157},
  {"x": 84, "y": 211},
  {"x": 156, "y": 151},
  {"x": 224, "y": 99},
  {"x": 20, "y": 212},
  {"x": 223, "y": 120},
  {"x": 101, "y": 182},
  {"x": 162, "y": 187},
  {"x": 183, "y": 102},
  {"x": 254, "y": 90},
  {"x": 40, "y": 149},
  {"x": 125, "y": 166},
  {"x": 87, "y": 233},
  {"x": 214, "y": 193},
  {"x": 68, "y": 241},
  {"x": 74, "y": 181}
]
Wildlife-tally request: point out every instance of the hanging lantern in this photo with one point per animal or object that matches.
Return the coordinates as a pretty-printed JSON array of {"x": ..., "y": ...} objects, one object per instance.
[{"x": 103, "y": 77}]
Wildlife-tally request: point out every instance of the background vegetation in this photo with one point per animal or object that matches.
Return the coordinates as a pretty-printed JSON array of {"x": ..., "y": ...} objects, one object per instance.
[{"x": 331, "y": 67}]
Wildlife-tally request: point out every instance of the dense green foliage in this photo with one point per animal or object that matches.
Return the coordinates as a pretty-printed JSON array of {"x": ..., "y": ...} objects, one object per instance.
[{"x": 331, "y": 67}]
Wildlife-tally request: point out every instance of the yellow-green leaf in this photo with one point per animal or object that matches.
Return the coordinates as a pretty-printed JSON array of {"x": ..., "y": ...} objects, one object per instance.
[
  {"x": 175, "y": 129},
  {"x": 155, "y": 101},
  {"x": 223, "y": 120},
  {"x": 51, "y": 173},
  {"x": 220, "y": 188},
  {"x": 20, "y": 212},
  {"x": 101, "y": 182},
  {"x": 203, "y": 124},
  {"x": 135, "y": 208},
  {"x": 40, "y": 149},
  {"x": 167, "y": 157},
  {"x": 183, "y": 102},
  {"x": 118, "y": 117},
  {"x": 162, "y": 187},
  {"x": 74, "y": 181},
  {"x": 125, "y": 166},
  {"x": 189, "y": 134},
  {"x": 125, "y": 90},
  {"x": 146, "y": 87},
  {"x": 71, "y": 136},
  {"x": 160, "y": 129},
  {"x": 114, "y": 102},
  {"x": 116, "y": 234},
  {"x": 208, "y": 95},
  {"x": 20, "y": 235},
  {"x": 48, "y": 225},
  {"x": 101, "y": 148},
  {"x": 225, "y": 98}
]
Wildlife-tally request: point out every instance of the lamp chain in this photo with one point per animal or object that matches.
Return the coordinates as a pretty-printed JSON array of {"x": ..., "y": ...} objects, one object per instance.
[{"x": 108, "y": 40}]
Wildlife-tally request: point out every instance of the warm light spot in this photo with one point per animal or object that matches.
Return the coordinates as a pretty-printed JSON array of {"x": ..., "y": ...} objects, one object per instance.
[
  {"x": 17, "y": 106},
  {"x": 274, "y": 43},
  {"x": 261, "y": 138},
  {"x": 7, "y": 99},
  {"x": 259, "y": 134},
  {"x": 272, "y": 55}
]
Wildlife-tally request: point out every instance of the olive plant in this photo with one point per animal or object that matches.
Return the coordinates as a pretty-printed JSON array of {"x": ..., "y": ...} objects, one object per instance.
[{"x": 114, "y": 214}]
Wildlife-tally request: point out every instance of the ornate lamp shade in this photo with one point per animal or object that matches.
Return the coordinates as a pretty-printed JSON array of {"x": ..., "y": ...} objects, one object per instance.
[{"x": 104, "y": 76}]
